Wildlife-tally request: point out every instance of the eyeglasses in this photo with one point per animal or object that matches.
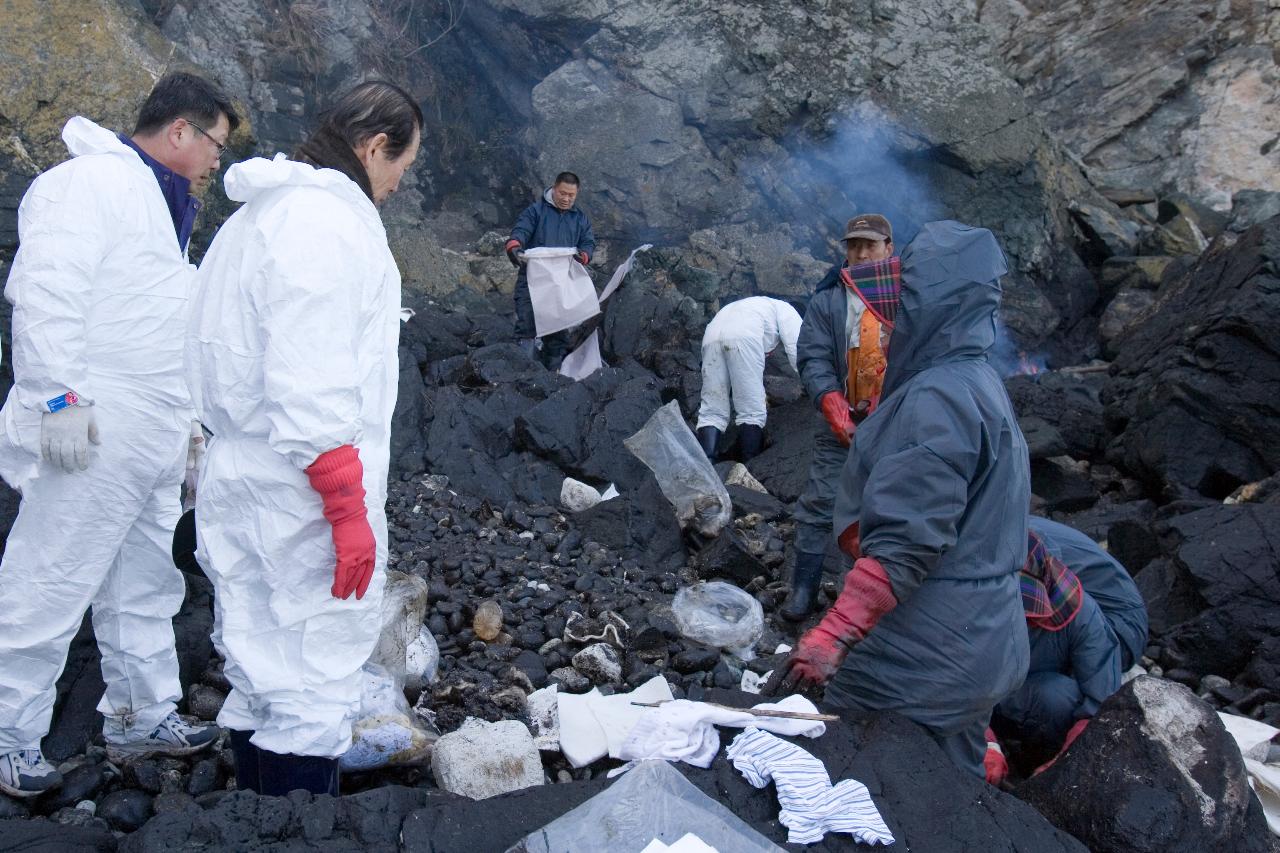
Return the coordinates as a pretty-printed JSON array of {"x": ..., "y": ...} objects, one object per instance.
[{"x": 222, "y": 149}]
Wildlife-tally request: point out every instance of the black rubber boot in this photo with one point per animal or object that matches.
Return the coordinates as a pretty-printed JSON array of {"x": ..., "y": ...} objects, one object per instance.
[
  {"x": 246, "y": 755},
  {"x": 280, "y": 774},
  {"x": 805, "y": 580},
  {"x": 709, "y": 437},
  {"x": 750, "y": 441}
]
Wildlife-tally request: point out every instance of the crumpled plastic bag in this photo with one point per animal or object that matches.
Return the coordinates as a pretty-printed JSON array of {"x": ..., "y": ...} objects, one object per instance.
[
  {"x": 386, "y": 731},
  {"x": 719, "y": 614},
  {"x": 685, "y": 475}
]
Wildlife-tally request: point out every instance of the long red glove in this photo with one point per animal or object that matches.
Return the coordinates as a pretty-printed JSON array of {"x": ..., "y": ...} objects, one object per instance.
[
  {"x": 337, "y": 475},
  {"x": 835, "y": 408},
  {"x": 994, "y": 764},
  {"x": 582, "y": 258},
  {"x": 866, "y": 597},
  {"x": 1072, "y": 733}
]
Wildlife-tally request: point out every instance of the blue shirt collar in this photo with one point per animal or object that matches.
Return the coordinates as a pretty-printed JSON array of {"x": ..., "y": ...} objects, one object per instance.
[{"x": 183, "y": 206}]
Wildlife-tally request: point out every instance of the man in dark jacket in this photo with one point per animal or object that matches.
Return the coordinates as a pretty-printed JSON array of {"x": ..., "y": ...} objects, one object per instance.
[
  {"x": 932, "y": 504},
  {"x": 553, "y": 220},
  {"x": 1086, "y": 623},
  {"x": 1107, "y": 582},
  {"x": 832, "y": 332}
]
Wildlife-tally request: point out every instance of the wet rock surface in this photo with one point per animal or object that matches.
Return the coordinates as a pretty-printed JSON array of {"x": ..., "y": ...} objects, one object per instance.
[{"x": 1192, "y": 401}]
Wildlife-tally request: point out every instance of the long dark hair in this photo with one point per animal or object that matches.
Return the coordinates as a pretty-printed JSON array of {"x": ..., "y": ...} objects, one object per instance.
[{"x": 362, "y": 112}]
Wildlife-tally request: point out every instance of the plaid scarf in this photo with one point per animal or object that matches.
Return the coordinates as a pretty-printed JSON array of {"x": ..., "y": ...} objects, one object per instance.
[
  {"x": 1051, "y": 592},
  {"x": 879, "y": 286}
]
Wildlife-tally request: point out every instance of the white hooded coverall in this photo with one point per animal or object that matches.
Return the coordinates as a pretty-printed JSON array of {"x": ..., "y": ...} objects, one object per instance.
[
  {"x": 291, "y": 352},
  {"x": 734, "y": 348},
  {"x": 99, "y": 288}
]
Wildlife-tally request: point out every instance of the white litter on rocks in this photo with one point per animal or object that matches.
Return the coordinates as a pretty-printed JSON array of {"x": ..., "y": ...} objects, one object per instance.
[
  {"x": 593, "y": 726},
  {"x": 577, "y": 496},
  {"x": 739, "y": 475},
  {"x": 687, "y": 843},
  {"x": 1254, "y": 740},
  {"x": 544, "y": 718}
]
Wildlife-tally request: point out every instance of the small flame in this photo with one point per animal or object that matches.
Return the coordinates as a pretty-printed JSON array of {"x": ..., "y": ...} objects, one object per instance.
[{"x": 1029, "y": 364}]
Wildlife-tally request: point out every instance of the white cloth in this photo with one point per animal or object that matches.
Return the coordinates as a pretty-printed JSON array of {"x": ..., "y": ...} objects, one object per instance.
[
  {"x": 686, "y": 731},
  {"x": 99, "y": 288},
  {"x": 687, "y": 843},
  {"x": 593, "y": 726},
  {"x": 734, "y": 347},
  {"x": 811, "y": 805},
  {"x": 585, "y": 360},
  {"x": 291, "y": 352},
  {"x": 560, "y": 289}
]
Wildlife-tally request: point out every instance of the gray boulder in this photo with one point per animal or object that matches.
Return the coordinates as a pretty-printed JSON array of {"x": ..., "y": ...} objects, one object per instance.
[
  {"x": 481, "y": 760},
  {"x": 1154, "y": 771}
]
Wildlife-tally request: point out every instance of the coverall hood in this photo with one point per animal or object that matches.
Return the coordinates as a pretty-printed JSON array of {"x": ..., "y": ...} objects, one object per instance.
[
  {"x": 950, "y": 293},
  {"x": 84, "y": 137},
  {"x": 549, "y": 199},
  {"x": 247, "y": 180}
]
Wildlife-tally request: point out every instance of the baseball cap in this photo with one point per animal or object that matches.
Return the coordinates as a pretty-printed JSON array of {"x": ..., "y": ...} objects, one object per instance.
[{"x": 868, "y": 226}]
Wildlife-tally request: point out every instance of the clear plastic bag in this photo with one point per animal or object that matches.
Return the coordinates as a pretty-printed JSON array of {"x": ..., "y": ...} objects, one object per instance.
[
  {"x": 719, "y": 614},
  {"x": 684, "y": 473},
  {"x": 422, "y": 661},
  {"x": 651, "y": 801},
  {"x": 386, "y": 731},
  {"x": 404, "y": 607}
]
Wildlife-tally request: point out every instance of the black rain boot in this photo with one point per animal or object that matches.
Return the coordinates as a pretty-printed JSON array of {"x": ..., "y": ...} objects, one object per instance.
[
  {"x": 246, "y": 756},
  {"x": 281, "y": 774},
  {"x": 750, "y": 441},
  {"x": 805, "y": 580},
  {"x": 709, "y": 437}
]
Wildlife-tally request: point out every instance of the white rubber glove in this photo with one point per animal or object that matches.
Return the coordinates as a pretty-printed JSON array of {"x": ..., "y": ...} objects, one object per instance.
[{"x": 65, "y": 436}]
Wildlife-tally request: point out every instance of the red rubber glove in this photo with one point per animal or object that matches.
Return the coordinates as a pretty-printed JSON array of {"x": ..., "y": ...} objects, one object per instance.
[
  {"x": 866, "y": 597},
  {"x": 582, "y": 258},
  {"x": 993, "y": 763},
  {"x": 850, "y": 541},
  {"x": 512, "y": 249},
  {"x": 1072, "y": 733},
  {"x": 337, "y": 476},
  {"x": 835, "y": 408}
]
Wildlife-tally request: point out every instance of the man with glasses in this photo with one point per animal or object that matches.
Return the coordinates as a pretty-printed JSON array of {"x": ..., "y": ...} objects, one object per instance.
[{"x": 96, "y": 428}]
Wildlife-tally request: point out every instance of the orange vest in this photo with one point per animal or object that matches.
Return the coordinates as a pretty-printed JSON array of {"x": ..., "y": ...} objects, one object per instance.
[{"x": 866, "y": 368}]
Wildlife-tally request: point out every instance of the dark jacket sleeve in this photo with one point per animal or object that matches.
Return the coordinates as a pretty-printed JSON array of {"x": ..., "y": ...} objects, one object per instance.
[
  {"x": 525, "y": 226},
  {"x": 917, "y": 493},
  {"x": 587, "y": 238},
  {"x": 1095, "y": 657},
  {"x": 815, "y": 348}
]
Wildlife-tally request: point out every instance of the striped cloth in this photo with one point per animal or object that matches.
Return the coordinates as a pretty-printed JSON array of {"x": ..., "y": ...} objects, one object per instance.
[
  {"x": 1051, "y": 592},
  {"x": 878, "y": 284},
  {"x": 811, "y": 805}
]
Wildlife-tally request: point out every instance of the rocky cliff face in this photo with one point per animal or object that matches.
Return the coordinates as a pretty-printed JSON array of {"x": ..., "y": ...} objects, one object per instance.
[
  {"x": 740, "y": 134},
  {"x": 1153, "y": 95}
]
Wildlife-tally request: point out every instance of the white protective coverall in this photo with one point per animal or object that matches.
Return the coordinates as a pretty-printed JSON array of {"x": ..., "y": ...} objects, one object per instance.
[
  {"x": 99, "y": 289},
  {"x": 291, "y": 352},
  {"x": 734, "y": 347}
]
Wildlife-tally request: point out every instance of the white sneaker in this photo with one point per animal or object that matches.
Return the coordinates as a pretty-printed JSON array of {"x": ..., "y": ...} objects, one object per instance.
[
  {"x": 172, "y": 737},
  {"x": 25, "y": 773}
]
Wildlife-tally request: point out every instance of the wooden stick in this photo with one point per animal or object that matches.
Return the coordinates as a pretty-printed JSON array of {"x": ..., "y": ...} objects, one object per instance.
[
  {"x": 755, "y": 712},
  {"x": 1083, "y": 368}
]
